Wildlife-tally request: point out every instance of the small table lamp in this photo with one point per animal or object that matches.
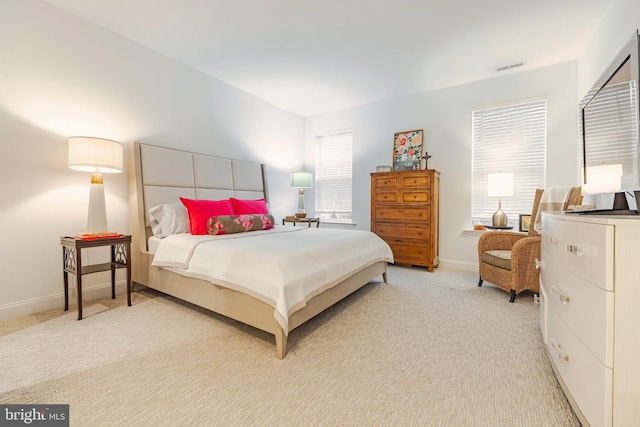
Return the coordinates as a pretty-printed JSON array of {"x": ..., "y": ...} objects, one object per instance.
[
  {"x": 301, "y": 180},
  {"x": 98, "y": 156},
  {"x": 500, "y": 185}
]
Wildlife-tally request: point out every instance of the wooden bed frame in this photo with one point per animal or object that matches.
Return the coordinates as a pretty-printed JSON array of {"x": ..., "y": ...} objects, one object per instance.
[{"x": 159, "y": 175}]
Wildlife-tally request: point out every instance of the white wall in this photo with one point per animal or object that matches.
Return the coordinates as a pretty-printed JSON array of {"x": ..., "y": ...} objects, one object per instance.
[
  {"x": 62, "y": 76},
  {"x": 618, "y": 25},
  {"x": 445, "y": 116}
]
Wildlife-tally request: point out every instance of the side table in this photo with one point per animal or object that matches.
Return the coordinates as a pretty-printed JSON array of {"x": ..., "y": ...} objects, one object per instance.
[
  {"x": 304, "y": 220},
  {"x": 72, "y": 263}
]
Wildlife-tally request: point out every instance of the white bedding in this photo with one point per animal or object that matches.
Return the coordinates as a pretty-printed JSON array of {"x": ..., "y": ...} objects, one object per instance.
[
  {"x": 152, "y": 244},
  {"x": 283, "y": 267}
]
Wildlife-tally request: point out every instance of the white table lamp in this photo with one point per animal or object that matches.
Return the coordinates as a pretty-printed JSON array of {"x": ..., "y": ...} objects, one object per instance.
[
  {"x": 500, "y": 185},
  {"x": 98, "y": 156},
  {"x": 301, "y": 180}
]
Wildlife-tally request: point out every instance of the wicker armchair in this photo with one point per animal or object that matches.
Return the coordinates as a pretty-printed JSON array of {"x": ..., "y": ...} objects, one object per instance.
[{"x": 508, "y": 259}]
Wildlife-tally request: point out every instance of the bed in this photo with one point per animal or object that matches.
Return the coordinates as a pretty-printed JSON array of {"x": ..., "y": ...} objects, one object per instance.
[{"x": 160, "y": 176}]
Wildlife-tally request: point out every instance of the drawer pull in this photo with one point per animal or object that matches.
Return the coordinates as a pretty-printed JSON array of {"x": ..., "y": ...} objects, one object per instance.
[
  {"x": 564, "y": 299},
  {"x": 574, "y": 249},
  {"x": 564, "y": 357}
]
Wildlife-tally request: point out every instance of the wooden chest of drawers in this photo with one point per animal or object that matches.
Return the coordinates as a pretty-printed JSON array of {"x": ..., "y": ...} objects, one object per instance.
[
  {"x": 590, "y": 316},
  {"x": 404, "y": 212}
]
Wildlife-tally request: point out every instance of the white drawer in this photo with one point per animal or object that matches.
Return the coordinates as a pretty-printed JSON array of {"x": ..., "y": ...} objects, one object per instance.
[
  {"x": 584, "y": 249},
  {"x": 585, "y": 308},
  {"x": 589, "y": 382}
]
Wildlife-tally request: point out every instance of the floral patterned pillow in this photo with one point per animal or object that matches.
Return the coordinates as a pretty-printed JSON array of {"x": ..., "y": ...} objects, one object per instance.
[{"x": 228, "y": 224}]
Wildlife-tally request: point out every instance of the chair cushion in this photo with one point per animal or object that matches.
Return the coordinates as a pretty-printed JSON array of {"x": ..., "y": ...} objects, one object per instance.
[{"x": 500, "y": 259}]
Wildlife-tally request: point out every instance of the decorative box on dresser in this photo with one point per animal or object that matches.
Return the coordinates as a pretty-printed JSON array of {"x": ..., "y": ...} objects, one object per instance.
[
  {"x": 404, "y": 213},
  {"x": 590, "y": 313}
]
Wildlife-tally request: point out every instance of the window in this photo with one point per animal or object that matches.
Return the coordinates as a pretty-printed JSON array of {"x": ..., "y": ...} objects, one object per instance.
[
  {"x": 333, "y": 177},
  {"x": 511, "y": 138}
]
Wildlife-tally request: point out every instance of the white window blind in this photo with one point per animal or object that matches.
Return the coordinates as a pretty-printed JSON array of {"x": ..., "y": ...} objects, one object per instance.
[
  {"x": 333, "y": 177},
  {"x": 612, "y": 130},
  {"x": 511, "y": 138}
]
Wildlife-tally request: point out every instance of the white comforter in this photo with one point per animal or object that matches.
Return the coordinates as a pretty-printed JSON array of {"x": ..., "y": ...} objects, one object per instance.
[{"x": 283, "y": 267}]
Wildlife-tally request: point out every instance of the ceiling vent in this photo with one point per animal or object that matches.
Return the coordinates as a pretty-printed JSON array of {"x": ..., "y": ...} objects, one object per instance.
[{"x": 507, "y": 67}]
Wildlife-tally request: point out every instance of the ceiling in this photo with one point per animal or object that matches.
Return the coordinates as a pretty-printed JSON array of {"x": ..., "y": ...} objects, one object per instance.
[{"x": 313, "y": 57}]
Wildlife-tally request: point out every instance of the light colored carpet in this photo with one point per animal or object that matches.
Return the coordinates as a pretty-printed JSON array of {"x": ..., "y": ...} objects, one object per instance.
[{"x": 426, "y": 349}]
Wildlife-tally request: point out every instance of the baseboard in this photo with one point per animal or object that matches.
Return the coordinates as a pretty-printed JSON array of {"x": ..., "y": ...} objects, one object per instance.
[
  {"x": 450, "y": 264},
  {"x": 37, "y": 305}
]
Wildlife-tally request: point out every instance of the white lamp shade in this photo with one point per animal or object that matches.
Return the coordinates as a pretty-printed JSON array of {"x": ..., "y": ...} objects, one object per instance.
[
  {"x": 500, "y": 184},
  {"x": 95, "y": 154},
  {"x": 301, "y": 179},
  {"x": 603, "y": 179}
]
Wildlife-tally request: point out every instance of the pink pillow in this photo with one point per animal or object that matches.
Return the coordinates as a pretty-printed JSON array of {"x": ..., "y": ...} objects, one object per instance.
[
  {"x": 248, "y": 207},
  {"x": 201, "y": 210}
]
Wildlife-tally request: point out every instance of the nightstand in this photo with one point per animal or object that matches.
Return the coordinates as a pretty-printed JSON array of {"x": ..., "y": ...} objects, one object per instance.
[
  {"x": 303, "y": 220},
  {"x": 72, "y": 263}
]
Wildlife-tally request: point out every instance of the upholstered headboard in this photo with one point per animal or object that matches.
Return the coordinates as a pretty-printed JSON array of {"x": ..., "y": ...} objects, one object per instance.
[{"x": 162, "y": 175}]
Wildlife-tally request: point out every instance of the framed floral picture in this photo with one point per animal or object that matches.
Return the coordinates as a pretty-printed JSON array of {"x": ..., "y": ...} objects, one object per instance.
[
  {"x": 525, "y": 223},
  {"x": 407, "y": 150}
]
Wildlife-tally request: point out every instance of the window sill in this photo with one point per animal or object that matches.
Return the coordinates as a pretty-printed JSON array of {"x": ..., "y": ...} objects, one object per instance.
[{"x": 472, "y": 232}]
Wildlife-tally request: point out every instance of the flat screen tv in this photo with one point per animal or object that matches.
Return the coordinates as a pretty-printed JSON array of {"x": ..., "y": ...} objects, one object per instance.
[{"x": 609, "y": 124}]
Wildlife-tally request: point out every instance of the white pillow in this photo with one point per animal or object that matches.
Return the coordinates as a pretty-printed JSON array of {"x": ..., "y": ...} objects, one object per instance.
[{"x": 168, "y": 219}]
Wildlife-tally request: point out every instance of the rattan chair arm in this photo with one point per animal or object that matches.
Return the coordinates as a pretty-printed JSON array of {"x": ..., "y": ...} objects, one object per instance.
[
  {"x": 524, "y": 274},
  {"x": 524, "y": 245},
  {"x": 498, "y": 240}
]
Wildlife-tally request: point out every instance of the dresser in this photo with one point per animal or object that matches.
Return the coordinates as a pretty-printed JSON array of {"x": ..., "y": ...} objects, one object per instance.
[
  {"x": 590, "y": 313},
  {"x": 404, "y": 213}
]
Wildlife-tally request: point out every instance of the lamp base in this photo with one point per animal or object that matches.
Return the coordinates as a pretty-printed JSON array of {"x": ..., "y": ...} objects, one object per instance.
[
  {"x": 301, "y": 201},
  {"x": 620, "y": 201},
  {"x": 499, "y": 219},
  {"x": 97, "y": 215}
]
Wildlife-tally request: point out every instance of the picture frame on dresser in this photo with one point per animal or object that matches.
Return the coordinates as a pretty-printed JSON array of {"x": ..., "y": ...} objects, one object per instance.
[
  {"x": 407, "y": 150},
  {"x": 525, "y": 223}
]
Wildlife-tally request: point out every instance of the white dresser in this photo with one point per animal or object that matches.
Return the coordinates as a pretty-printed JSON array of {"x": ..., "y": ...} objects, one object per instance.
[{"x": 590, "y": 313}]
